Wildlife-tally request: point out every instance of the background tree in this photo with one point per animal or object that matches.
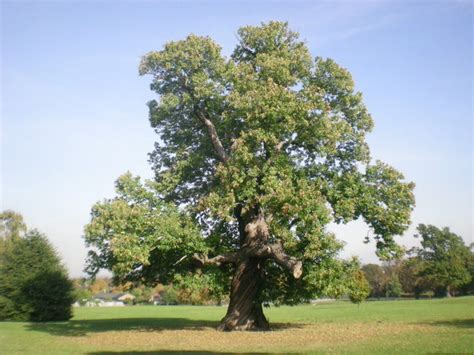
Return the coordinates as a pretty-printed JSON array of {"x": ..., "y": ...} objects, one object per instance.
[
  {"x": 81, "y": 292},
  {"x": 359, "y": 288},
  {"x": 445, "y": 258},
  {"x": 410, "y": 276},
  {"x": 256, "y": 154},
  {"x": 376, "y": 278},
  {"x": 391, "y": 269},
  {"x": 33, "y": 282},
  {"x": 468, "y": 288},
  {"x": 169, "y": 295},
  {"x": 11, "y": 225},
  {"x": 393, "y": 287},
  {"x": 99, "y": 285}
]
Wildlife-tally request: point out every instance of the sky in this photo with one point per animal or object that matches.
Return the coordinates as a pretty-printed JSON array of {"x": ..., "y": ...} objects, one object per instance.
[{"x": 74, "y": 115}]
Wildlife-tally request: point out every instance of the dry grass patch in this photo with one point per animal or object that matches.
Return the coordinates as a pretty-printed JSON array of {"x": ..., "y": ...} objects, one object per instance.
[{"x": 283, "y": 338}]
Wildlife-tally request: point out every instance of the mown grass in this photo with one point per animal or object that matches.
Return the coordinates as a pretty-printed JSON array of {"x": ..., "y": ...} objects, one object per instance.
[{"x": 385, "y": 327}]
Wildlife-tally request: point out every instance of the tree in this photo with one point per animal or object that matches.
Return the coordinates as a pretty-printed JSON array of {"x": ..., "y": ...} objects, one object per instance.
[
  {"x": 391, "y": 269},
  {"x": 169, "y": 295},
  {"x": 376, "y": 278},
  {"x": 81, "y": 295},
  {"x": 360, "y": 289},
  {"x": 393, "y": 287},
  {"x": 468, "y": 288},
  {"x": 411, "y": 278},
  {"x": 99, "y": 285},
  {"x": 33, "y": 282},
  {"x": 445, "y": 258},
  {"x": 11, "y": 225},
  {"x": 256, "y": 155}
]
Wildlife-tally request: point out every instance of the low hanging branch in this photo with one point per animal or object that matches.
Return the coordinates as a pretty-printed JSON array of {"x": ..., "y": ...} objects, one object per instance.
[
  {"x": 218, "y": 260},
  {"x": 274, "y": 251}
]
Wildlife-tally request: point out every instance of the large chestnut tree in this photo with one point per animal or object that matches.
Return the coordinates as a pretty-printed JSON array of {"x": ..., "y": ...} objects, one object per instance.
[{"x": 256, "y": 154}]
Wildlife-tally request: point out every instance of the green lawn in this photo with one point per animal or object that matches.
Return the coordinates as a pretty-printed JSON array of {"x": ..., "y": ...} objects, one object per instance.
[{"x": 426, "y": 326}]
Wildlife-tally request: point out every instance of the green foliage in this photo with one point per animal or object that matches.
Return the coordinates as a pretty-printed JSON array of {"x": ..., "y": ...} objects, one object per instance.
[
  {"x": 376, "y": 278},
  {"x": 268, "y": 128},
  {"x": 81, "y": 295},
  {"x": 8, "y": 310},
  {"x": 468, "y": 288},
  {"x": 359, "y": 288},
  {"x": 445, "y": 258},
  {"x": 49, "y": 296},
  {"x": 384, "y": 280},
  {"x": 199, "y": 288},
  {"x": 138, "y": 236},
  {"x": 33, "y": 282},
  {"x": 169, "y": 295},
  {"x": 393, "y": 287},
  {"x": 411, "y": 278},
  {"x": 11, "y": 225},
  {"x": 142, "y": 294}
]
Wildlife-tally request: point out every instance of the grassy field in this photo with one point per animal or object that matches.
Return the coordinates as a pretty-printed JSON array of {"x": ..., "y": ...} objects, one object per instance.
[{"x": 428, "y": 326}]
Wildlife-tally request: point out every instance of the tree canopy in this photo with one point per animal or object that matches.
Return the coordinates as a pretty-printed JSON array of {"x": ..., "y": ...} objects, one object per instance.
[{"x": 256, "y": 154}]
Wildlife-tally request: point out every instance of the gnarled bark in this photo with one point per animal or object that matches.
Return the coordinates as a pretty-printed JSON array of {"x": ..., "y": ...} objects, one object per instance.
[{"x": 245, "y": 310}]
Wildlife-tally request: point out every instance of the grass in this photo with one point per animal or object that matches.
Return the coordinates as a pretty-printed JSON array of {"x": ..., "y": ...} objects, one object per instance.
[{"x": 385, "y": 327}]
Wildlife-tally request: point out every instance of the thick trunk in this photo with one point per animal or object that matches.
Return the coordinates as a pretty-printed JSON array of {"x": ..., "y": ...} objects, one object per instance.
[
  {"x": 245, "y": 307},
  {"x": 245, "y": 310}
]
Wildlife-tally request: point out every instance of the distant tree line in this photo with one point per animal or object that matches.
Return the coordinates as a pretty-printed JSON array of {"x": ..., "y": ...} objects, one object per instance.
[
  {"x": 86, "y": 289},
  {"x": 442, "y": 266}
]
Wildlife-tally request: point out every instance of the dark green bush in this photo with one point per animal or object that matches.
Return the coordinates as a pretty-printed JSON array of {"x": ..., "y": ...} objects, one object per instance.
[
  {"x": 33, "y": 282},
  {"x": 7, "y": 308},
  {"x": 49, "y": 295}
]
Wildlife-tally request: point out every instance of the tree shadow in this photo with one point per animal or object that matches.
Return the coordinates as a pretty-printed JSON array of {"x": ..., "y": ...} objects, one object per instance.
[
  {"x": 87, "y": 326},
  {"x": 455, "y": 323},
  {"x": 79, "y": 328},
  {"x": 194, "y": 352}
]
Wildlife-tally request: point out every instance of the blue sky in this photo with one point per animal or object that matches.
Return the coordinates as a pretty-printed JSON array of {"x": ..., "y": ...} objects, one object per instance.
[{"x": 73, "y": 114}]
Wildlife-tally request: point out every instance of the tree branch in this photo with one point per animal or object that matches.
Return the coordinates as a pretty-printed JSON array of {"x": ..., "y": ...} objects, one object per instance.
[
  {"x": 281, "y": 258},
  {"x": 277, "y": 253},
  {"x": 274, "y": 251},
  {"x": 211, "y": 129},
  {"x": 218, "y": 260}
]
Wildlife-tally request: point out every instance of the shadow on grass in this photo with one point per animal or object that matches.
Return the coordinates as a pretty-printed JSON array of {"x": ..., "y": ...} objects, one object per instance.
[
  {"x": 78, "y": 328},
  {"x": 195, "y": 352},
  {"x": 86, "y": 326},
  {"x": 456, "y": 323}
]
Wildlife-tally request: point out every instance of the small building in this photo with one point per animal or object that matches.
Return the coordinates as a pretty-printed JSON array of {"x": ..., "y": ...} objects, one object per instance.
[{"x": 108, "y": 299}]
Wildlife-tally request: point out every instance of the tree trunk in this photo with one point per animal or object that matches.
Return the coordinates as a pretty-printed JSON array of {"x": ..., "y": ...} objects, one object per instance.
[
  {"x": 448, "y": 292},
  {"x": 245, "y": 310}
]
